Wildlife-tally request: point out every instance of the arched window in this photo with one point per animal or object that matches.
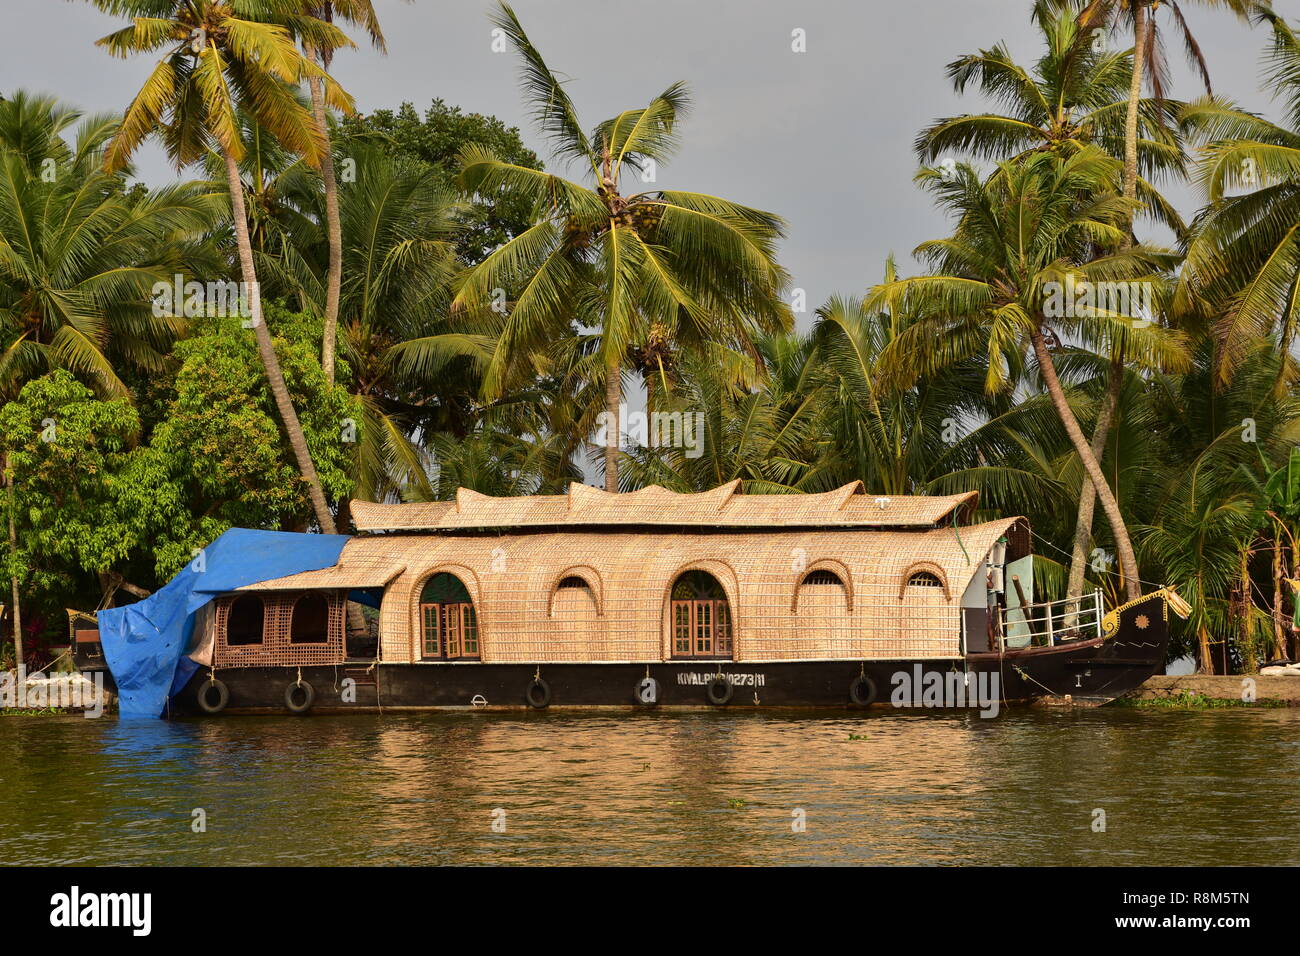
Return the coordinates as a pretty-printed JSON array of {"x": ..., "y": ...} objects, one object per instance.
[
  {"x": 309, "y": 622},
  {"x": 448, "y": 624},
  {"x": 923, "y": 579},
  {"x": 244, "y": 621},
  {"x": 573, "y": 582},
  {"x": 701, "y": 617},
  {"x": 821, "y": 576}
]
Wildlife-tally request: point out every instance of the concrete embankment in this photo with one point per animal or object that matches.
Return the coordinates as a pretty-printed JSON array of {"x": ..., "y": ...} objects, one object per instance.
[{"x": 1220, "y": 687}]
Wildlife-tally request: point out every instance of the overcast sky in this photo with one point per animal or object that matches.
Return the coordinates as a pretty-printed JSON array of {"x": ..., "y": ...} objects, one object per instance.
[{"x": 821, "y": 137}]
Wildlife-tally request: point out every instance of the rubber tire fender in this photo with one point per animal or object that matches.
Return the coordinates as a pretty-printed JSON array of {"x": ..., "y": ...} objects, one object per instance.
[
  {"x": 538, "y": 694},
  {"x": 309, "y": 697},
  {"x": 862, "y": 691},
  {"x": 719, "y": 690},
  {"x": 223, "y": 697}
]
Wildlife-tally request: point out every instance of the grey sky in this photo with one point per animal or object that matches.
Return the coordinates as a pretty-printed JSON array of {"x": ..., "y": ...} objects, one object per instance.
[{"x": 822, "y": 137}]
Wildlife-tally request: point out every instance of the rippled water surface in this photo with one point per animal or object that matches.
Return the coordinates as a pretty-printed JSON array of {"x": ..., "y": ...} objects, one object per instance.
[{"x": 1212, "y": 787}]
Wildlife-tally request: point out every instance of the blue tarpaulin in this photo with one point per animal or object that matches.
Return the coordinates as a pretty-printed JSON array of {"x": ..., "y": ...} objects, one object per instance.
[{"x": 143, "y": 642}]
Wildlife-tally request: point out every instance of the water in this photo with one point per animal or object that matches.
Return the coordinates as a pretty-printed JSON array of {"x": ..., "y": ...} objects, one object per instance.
[{"x": 1178, "y": 787}]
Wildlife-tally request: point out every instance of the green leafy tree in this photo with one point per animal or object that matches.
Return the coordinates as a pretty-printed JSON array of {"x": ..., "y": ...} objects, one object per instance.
[
  {"x": 79, "y": 255},
  {"x": 702, "y": 267},
  {"x": 437, "y": 139},
  {"x": 222, "y": 58},
  {"x": 64, "y": 450},
  {"x": 216, "y": 461},
  {"x": 1243, "y": 263},
  {"x": 1036, "y": 221}
]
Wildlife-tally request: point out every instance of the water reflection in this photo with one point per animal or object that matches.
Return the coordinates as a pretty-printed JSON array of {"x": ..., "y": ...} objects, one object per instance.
[{"x": 1176, "y": 787}]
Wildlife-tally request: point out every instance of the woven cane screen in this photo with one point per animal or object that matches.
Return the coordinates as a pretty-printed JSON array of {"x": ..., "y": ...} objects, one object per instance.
[{"x": 276, "y": 646}]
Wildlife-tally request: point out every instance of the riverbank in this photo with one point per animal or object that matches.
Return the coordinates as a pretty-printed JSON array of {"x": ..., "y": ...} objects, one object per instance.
[{"x": 1277, "y": 691}]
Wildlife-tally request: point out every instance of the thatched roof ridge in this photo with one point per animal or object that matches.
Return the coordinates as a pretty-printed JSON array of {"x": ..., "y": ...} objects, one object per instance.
[{"x": 721, "y": 507}]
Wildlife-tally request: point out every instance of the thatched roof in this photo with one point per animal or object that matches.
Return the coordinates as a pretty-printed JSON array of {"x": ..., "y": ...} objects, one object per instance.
[{"x": 722, "y": 507}]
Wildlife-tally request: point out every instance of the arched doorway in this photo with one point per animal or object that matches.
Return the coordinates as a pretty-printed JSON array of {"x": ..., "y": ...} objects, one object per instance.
[
  {"x": 448, "y": 623},
  {"x": 700, "y": 617}
]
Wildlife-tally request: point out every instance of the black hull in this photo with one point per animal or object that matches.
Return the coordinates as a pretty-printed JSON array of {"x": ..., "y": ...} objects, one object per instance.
[{"x": 1080, "y": 672}]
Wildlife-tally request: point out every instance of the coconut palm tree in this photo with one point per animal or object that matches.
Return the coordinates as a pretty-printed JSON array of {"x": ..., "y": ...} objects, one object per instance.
[
  {"x": 1075, "y": 94},
  {"x": 220, "y": 58},
  {"x": 358, "y": 13},
  {"x": 1149, "y": 65},
  {"x": 702, "y": 267},
  {"x": 280, "y": 191},
  {"x": 1205, "y": 511},
  {"x": 1243, "y": 262},
  {"x": 996, "y": 289},
  {"x": 767, "y": 437},
  {"x": 79, "y": 256},
  {"x": 940, "y": 434},
  {"x": 403, "y": 354}
]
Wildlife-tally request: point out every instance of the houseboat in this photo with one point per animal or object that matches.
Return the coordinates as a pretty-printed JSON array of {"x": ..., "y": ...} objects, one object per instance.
[{"x": 642, "y": 600}]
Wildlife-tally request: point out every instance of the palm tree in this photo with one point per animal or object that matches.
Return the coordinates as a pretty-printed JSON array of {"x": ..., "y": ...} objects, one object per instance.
[
  {"x": 940, "y": 434},
  {"x": 78, "y": 259},
  {"x": 1148, "y": 63},
  {"x": 1206, "y": 507},
  {"x": 1243, "y": 262},
  {"x": 79, "y": 256},
  {"x": 280, "y": 194},
  {"x": 1076, "y": 94},
  {"x": 702, "y": 267},
  {"x": 221, "y": 58},
  {"x": 1043, "y": 219},
  {"x": 398, "y": 340},
  {"x": 767, "y": 437},
  {"x": 360, "y": 13}
]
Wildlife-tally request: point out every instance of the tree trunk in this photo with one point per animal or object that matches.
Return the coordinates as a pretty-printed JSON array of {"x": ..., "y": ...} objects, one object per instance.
[
  {"x": 1204, "y": 657},
  {"x": 17, "y": 616},
  {"x": 1141, "y": 27},
  {"x": 1127, "y": 558},
  {"x": 613, "y": 422},
  {"x": 1088, "y": 494},
  {"x": 1249, "y": 657},
  {"x": 1101, "y": 433},
  {"x": 266, "y": 351},
  {"x": 333, "y": 225},
  {"x": 1279, "y": 635}
]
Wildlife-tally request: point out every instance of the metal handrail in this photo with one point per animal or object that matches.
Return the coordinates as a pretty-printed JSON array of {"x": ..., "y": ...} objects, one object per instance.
[{"x": 1066, "y": 619}]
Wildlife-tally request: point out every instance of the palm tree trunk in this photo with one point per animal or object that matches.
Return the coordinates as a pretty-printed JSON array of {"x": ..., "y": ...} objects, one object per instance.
[
  {"x": 1141, "y": 28},
  {"x": 613, "y": 423},
  {"x": 1249, "y": 658},
  {"x": 1087, "y": 493},
  {"x": 1124, "y": 547},
  {"x": 13, "y": 581},
  {"x": 1279, "y": 638},
  {"x": 1101, "y": 433},
  {"x": 333, "y": 225},
  {"x": 266, "y": 351}
]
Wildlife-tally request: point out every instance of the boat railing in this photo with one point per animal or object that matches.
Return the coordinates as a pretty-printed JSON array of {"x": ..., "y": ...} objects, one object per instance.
[{"x": 1056, "y": 622}]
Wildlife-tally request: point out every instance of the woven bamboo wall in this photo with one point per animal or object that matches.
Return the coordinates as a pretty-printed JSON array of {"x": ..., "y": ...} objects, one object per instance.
[{"x": 512, "y": 580}]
